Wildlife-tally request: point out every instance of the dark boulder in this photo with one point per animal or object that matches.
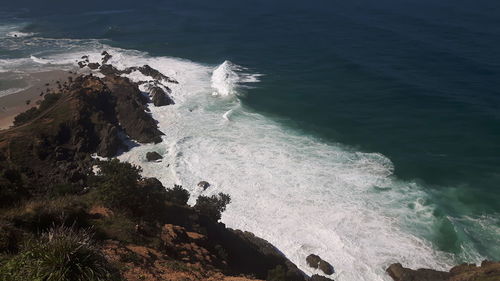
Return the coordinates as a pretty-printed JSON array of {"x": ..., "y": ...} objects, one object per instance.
[
  {"x": 159, "y": 97},
  {"x": 313, "y": 260},
  {"x": 316, "y": 262},
  {"x": 317, "y": 277},
  {"x": 153, "y": 156},
  {"x": 204, "y": 184}
]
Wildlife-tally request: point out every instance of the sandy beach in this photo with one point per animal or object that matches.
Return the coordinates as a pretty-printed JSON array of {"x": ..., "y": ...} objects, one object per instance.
[{"x": 13, "y": 104}]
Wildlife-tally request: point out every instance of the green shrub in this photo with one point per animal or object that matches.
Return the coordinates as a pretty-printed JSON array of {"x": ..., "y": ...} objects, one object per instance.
[
  {"x": 62, "y": 254},
  {"x": 25, "y": 116},
  {"x": 30, "y": 114},
  {"x": 213, "y": 206},
  {"x": 177, "y": 195},
  {"x": 117, "y": 184}
]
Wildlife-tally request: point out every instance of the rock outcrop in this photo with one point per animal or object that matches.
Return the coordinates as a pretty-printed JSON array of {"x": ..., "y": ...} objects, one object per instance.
[
  {"x": 153, "y": 156},
  {"x": 487, "y": 271},
  {"x": 130, "y": 110},
  {"x": 88, "y": 115},
  {"x": 159, "y": 97}
]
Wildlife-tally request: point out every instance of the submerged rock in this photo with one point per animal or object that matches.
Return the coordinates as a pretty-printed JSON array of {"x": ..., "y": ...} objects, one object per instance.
[{"x": 153, "y": 156}]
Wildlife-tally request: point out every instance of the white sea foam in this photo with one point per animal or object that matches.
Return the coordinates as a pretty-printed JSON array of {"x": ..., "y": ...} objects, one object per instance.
[
  {"x": 301, "y": 194},
  {"x": 39, "y": 60},
  {"x": 19, "y": 34},
  {"x": 11, "y": 91}
]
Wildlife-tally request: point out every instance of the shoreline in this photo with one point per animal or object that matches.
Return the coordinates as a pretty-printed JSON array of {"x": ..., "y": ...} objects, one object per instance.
[{"x": 13, "y": 104}]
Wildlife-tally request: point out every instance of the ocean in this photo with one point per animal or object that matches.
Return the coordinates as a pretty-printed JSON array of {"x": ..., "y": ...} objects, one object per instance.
[{"x": 367, "y": 132}]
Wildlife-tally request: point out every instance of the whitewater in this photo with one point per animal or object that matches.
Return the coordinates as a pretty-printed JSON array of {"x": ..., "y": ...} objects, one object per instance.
[{"x": 303, "y": 194}]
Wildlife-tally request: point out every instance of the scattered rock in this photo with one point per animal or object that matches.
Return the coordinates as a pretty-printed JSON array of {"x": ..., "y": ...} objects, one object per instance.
[
  {"x": 160, "y": 98},
  {"x": 316, "y": 262},
  {"x": 153, "y": 156},
  {"x": 28, "y": 102},
  {"x": 82, "y": 64},
  {"x": 317, "y": 277},
  {"x": 204, "y": 184}
]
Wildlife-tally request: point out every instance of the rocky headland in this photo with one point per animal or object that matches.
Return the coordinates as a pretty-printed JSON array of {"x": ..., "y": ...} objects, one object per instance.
[{"x": 53, "y": 185}]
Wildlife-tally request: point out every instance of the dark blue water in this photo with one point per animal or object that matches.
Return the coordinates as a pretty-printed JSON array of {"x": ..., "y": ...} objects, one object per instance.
[{"x": 416, "y": 80}]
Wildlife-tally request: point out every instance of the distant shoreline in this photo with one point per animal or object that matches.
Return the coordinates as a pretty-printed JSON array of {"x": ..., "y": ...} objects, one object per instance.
[{"x": 13, "y": 104}]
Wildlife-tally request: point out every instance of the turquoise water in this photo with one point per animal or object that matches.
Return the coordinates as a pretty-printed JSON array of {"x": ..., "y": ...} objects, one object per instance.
[{"x": 415, "y": 81}]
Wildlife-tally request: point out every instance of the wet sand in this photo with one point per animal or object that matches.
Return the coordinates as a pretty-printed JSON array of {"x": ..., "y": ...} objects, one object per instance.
[{"x": 13, "y": 104}]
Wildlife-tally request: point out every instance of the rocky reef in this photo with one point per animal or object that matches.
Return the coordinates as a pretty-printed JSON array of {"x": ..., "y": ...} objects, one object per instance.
[{"x": 487, "y": 271}]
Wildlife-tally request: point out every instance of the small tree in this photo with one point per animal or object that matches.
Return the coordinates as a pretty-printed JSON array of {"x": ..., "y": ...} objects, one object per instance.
[
  {"x": 213, "y": 206},
  {"x": 177, "y": 195}
]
